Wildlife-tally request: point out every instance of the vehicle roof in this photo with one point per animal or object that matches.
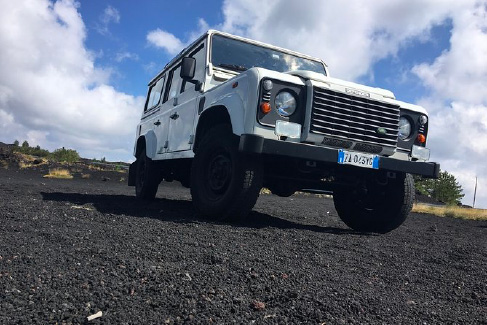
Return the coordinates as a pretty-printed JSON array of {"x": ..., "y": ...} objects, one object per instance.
[{"x": 240, "y": 38}]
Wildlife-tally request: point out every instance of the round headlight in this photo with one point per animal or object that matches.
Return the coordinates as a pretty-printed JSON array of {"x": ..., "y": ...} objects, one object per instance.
[
  {"x": 423, "y": 119},
  {"x": 285, "y": 103},
  {"x": 404, "y": 128},
  {"x": 268, "y": 84}
]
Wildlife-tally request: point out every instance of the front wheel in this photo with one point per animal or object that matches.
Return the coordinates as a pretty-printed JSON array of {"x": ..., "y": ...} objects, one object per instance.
[
  {"x": 377, "y": 205},
  {"x": 146, "y": 177},
  {"x": 225, "y": 183}
]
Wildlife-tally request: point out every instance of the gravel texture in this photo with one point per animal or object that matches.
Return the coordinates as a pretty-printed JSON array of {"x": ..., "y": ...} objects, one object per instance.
[{"x": 72, "y": 248}]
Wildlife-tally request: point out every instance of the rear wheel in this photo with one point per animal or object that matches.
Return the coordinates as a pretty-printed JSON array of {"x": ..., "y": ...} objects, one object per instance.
[
  {"x": 376, "y": 206},
  {"x": 146, "y": 177},
  {"x": 225, "y": 183}
]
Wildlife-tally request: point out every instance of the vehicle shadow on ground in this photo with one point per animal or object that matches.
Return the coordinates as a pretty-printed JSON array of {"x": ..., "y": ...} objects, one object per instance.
[{"x": 176, "y": 211}]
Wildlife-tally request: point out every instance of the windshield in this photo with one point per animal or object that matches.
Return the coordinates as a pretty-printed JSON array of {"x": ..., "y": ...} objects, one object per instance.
[{"x": 239, "y": 56}]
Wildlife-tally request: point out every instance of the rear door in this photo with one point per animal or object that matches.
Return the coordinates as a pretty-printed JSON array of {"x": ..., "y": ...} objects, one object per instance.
[{"x": 151, "y": 119}]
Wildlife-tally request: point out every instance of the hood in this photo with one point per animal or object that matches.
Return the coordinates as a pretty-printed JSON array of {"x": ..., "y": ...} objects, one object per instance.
[{"x": 322, "y": 78}]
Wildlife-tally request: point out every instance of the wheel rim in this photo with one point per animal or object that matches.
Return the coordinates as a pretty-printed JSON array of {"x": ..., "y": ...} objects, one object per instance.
[
  {"x": 374, "y": 197},
  {"x": 219, "y": 173}
]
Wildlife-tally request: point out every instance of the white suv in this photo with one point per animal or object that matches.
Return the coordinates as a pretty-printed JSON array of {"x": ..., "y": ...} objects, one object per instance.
[{"x": 230, "y": 115}]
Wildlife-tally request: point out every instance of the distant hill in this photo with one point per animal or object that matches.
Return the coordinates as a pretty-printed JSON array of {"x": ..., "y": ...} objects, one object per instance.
[{"x": 5, "y": 149}]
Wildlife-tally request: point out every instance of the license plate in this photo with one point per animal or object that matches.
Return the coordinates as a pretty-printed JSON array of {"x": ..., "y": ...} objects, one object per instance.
[{"x": 358, "y": 159}]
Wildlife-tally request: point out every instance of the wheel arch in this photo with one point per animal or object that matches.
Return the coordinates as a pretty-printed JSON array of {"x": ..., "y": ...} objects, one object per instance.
[
  {"x": 147, "y": 141},
  {"x": 211, "y": 117}
]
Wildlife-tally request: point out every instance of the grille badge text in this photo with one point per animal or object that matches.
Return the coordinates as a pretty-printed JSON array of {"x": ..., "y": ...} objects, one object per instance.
[{"x": 357, "y": 92}]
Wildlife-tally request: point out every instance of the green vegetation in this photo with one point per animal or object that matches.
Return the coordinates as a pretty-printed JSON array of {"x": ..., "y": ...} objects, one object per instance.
[
  {"x": 445, "y": 189},
  {"x": 33, "y": 151},
  {"x": 67, "y": 155},
  {"x": 59, "y": 155}
]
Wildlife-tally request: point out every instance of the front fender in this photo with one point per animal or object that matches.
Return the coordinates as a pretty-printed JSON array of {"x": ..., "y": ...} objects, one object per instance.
[
  {"x": 236, "y": 110},
  {"x": 239, "y": 100}
]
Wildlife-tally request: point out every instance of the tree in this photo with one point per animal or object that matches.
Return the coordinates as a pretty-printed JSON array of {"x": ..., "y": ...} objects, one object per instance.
[
  {"x": 16, "y": 143},
  {"x": 25, "y": 144},
  {"x": 445, "y": 189}
]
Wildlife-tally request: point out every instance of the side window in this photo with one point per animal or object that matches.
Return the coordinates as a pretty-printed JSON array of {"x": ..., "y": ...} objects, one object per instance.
[
  {"x": 176, "y": 81},
  {"x": 199, "y": 73},
  {"x": 175, "y": 84},
  {"x": 154, "y": 96}
]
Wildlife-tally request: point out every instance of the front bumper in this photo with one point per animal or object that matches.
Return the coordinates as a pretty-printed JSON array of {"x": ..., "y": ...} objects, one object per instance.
[{"x": 251, "y": 143}]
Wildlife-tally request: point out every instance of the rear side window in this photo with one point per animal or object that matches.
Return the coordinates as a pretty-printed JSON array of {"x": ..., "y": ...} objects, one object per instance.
[{"x": 154, "y": 96}]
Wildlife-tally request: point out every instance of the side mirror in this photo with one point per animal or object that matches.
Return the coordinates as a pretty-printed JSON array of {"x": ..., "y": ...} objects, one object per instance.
[{"x": 188, "y": 66}]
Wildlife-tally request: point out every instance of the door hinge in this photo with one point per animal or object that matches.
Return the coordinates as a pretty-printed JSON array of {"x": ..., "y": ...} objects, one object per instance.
[
  {"x": 166, "y": 144},
  {"x": 191, "y": 139}
]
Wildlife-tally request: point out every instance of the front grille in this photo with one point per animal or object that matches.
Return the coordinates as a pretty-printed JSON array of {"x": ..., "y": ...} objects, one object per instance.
[
  {"x": 359, "y": 119},
  {"x": 334, "y": 142},
  {"x": 365, "y": 147}
]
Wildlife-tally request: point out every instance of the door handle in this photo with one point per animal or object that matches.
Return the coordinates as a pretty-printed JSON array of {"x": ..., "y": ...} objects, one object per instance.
[
  {"x": 157, "y": 123},
  {"x": 174, "y": 116}
]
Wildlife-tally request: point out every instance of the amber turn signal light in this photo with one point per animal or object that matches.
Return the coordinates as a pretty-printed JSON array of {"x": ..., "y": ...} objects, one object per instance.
[
  {"x": 265, "y": 107},
  {"x": 421, "y": 138}
]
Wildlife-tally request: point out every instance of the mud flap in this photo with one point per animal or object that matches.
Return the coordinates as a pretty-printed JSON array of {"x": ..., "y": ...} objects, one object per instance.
[{"x": 132, "y": 170}]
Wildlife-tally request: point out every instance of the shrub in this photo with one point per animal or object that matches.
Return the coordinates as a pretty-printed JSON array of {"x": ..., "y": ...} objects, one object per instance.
[
  {"x": 65, "y": 155},
  {"x": 59, "y": 173}
]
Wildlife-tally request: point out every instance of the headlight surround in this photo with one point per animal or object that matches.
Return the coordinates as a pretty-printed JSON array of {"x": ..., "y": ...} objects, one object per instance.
[
  {"x": 405, "y": 128},
  {"x": 285, "y": 103}
]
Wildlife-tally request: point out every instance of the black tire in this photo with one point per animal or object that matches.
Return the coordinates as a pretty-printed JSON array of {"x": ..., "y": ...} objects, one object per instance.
[
  {"x": 376, "y": 208},
  {"x": 225, "y": 183},
  {"x": 146, "y": 177}
]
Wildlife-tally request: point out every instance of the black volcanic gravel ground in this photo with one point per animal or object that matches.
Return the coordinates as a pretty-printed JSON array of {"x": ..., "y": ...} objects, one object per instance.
[{"x": 71, "y": 248}]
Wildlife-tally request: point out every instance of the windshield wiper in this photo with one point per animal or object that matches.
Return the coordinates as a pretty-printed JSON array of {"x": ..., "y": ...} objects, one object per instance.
[{"x": 232, "y": 67}]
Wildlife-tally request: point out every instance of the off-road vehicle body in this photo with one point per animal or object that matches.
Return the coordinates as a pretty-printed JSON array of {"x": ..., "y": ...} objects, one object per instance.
[{"x": 230, "y": 115}]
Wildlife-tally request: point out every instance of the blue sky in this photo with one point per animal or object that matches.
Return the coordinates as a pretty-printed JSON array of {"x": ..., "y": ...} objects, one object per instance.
[
  {"x": 75, "y": 73},
  {"x": 128, "y": 35}
]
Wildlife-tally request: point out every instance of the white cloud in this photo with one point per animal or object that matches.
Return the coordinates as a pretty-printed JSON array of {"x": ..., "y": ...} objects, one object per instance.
[
  {"x": 121, "y": 56},
  {"x": 110, "y": 15},
  {"x": 458, "y": 101},
  {"x": 172, "y": 44},
  {"x": 349, "y": 36},
  {"x": 51, "y": 92},
  {"x": 461, "y": 72},
  {"x": 166, "y": 41}
]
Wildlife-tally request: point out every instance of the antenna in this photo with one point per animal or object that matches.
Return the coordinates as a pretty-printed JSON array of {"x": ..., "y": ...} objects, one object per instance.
[{"x": 474, "y": 192}]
